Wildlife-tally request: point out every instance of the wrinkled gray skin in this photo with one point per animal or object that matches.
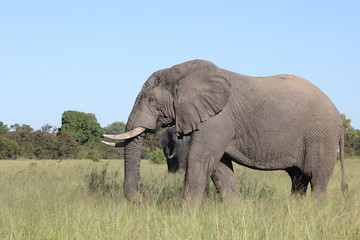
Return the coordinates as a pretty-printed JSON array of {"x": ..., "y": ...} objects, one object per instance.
[
  {"x": 281, "y": 122},
  {"x": 175, "y": 150}
]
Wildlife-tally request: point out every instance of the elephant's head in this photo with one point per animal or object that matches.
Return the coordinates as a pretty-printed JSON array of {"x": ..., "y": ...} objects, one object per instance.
[{"x": 185, "y": 95}]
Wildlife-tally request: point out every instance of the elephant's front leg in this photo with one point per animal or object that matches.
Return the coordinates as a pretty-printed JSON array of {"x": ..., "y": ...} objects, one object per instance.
[
  {"x": 196, "y": 178},
  {"x": 205, "y": 154}
]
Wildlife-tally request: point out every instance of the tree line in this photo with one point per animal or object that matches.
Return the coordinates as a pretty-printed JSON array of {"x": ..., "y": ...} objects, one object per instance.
[
  {"x": 351, "y": 138},
  {"x": 79, "y": 138}
]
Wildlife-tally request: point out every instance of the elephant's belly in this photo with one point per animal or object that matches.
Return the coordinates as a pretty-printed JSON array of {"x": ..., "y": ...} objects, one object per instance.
[{"x": 267, "y": 162}]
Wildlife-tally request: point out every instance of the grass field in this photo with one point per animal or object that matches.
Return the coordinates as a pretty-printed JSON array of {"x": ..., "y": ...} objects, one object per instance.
[{"x": 84, "y": 200}]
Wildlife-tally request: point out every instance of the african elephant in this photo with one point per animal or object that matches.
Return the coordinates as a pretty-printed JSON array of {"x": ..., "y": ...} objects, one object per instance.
[
  {"x": 175, "y": 149},
  {"x": 281, "y": 122}
]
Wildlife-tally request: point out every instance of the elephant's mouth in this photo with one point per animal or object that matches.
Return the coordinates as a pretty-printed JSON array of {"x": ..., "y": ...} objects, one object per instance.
[{"x": 165, "y": 121}]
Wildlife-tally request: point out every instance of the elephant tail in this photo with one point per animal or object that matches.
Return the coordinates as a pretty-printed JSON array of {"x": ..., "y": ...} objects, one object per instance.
[{"x": 344, "y": 186}]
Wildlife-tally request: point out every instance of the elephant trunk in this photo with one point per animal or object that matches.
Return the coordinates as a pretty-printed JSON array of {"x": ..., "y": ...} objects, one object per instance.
[
  {"x": 138, "y": 122},
  {"x": 132, "y": 156},
  {"x": 132, "y": 153}
]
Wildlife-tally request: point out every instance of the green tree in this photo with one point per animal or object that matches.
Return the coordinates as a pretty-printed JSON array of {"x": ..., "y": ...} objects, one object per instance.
[
  {"x": 3, "y": 128},
  {"x": 351, "y": 137},
  {"x": 23, "y": 130},
  {"x": 67, "y": 146},
  {"x": 22, "y": 135},
  {"x": 45, "y": 145},
  {"x": 47, "y": 128},
  {"x": 83, "y": 126},
  {"x": 8, "y": 149},
  {"x": 115, "y": 128}
]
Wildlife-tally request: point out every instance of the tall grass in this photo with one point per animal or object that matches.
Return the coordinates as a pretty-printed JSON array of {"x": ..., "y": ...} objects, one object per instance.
[{"x": 84, "y": 200}]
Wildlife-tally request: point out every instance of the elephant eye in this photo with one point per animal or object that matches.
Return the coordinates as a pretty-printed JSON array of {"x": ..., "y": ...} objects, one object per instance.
[{"x": 151, "y": 100}]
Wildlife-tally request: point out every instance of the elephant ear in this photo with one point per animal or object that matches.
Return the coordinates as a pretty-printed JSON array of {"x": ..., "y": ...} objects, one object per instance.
[{"x": 198, "y": 98}]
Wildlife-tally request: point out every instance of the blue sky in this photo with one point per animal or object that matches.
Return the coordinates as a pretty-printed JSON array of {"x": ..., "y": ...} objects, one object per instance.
[{"x": 94, "y": 56}]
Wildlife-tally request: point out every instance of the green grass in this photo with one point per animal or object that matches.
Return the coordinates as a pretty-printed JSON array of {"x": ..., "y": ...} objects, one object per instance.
[{"x": 84, "y": 200}]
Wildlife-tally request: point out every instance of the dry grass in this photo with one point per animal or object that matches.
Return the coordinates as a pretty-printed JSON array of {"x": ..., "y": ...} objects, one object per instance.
[{"x": 77, "y": 200}]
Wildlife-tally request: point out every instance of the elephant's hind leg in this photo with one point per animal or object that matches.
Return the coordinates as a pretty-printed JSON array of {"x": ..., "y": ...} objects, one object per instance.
[
  {"x": 322, "y": 158},
  {"x": 299, "y": 181},
  {"x": 224, "y": 179}
]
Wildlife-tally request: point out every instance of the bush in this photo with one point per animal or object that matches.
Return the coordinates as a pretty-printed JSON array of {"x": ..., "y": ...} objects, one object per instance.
[
  {"x": 95, "y": 156},
  {"x": 67, "y": 146},
  {"x": 145, "y": 152},
  {"x": 157, "y": 156},
  {"x": 101, "y": 182},
  {"x": 105, "y": 151},
  {"x": 8, "y": 149}
]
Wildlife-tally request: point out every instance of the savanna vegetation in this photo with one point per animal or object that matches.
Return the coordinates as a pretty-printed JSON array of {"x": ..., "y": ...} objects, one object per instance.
[
  {"x": 65, "y": 199},
  {"x": 42, "y": 199},
  {"x": 351, "y": 137},
  {"x": 79, "y": 138}
]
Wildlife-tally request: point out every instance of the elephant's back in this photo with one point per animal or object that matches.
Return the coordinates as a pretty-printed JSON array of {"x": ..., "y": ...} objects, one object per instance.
[
  {"x": 294, "y": 92},
  {"x": 278, "y": 112},
  {"x": 285, "y": 99},
  {"x": 289, "y": 84},
  {"x": 300, "y": 100}
]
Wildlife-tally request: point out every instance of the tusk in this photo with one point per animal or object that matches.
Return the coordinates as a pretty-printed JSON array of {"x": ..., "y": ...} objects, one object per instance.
[
  {"x": 131, "y": 134},
  {"x": 171, "y": 156},
  {"x": 118, "y": 144}
]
